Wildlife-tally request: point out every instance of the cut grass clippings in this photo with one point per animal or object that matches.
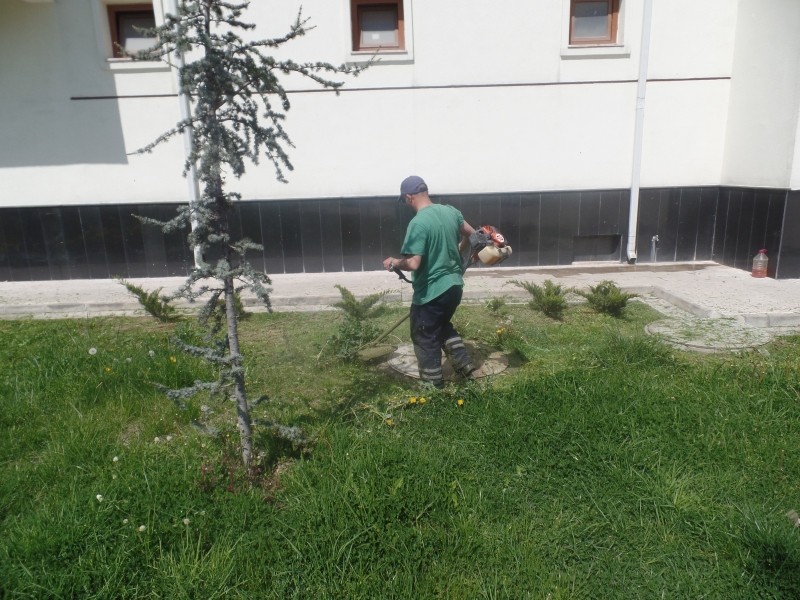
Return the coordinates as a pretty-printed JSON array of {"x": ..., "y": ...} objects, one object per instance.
[{"x": 607, "y": 465}]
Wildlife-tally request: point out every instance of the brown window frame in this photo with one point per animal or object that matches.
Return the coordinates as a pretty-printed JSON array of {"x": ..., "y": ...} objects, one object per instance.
[
  {"x": 613, "y": 18},
  {"x": 114, "y": 10},
  {"x": 357, "y": 8}
]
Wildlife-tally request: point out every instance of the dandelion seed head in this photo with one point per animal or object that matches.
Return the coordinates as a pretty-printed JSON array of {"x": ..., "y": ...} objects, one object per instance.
[
  {"x": 92, "y": 351},
  {"x": 157, "y": 440},
  {"x": 99, "y": 497},
  {"x": 113, "y": 476},
  {"x": 186, "y": 521},
  {"x": 124, "y": 521},
  {"x": 115, "y": 459},
  {"x": 151, "y": 353},
  {"x": 203, "y": 513},
  {"x": 128, "y": 359},
  {"x": 142, "y": 528}
]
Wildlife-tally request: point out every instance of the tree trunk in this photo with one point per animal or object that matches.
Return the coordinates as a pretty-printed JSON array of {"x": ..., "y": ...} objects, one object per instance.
[{"x": 242, "y": 412}]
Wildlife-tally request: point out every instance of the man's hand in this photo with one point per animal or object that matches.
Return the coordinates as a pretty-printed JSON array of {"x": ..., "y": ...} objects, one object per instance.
[{"x": 388, "y": 262}]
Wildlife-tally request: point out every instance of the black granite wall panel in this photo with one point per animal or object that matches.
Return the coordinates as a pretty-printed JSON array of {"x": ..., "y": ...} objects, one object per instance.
[
  {"x": 5, "y": 265},
  {"x": 789, "y": 258},
  {"x": 728, "y": 225},
  {"x": 548, "y": 228},
  {"x": 509, "y": 225},
  {"x": 311, "y": 230},
  {"x": 774, "y": 228},
  {"x": 686, "y": 239},
  {"x": 33, "y": 236},
  {"x": 529, "y": 229},
  {"x": 272, "y": 236},
  {"x": 706, "y": 221},
  {"x": 55, "y": 247},
  {"x": 74, "y": 242}
]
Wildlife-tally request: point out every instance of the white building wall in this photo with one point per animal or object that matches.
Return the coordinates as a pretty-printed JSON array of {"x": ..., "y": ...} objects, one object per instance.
[
  {"x": 765, "y": 95},
  {"x": 551, "y": 131}
]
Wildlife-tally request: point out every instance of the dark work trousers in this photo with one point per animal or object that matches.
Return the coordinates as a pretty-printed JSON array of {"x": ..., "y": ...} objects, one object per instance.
[{"x": 432, "y": 332}]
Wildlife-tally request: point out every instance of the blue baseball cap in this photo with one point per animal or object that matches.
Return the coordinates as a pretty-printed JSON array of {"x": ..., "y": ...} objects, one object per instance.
[{"x": 412, "y": 185}]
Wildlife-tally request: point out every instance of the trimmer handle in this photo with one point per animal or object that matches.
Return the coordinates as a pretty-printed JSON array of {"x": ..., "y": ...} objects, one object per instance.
[{"x": 401, "y": 275}]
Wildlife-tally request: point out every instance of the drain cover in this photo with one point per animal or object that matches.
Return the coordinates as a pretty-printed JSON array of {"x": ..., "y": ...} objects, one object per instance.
[{"x": 489, "y": 361}]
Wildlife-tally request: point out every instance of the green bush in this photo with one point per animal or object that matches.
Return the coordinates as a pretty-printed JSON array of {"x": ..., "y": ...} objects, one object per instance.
[
  {"x": 607, "y": 298},
  {"x": 157, "y": 306},
  {"x": 356, "y": 330},
  {"x": 360, "y": 310},
  {"x": 496, "y": 305},
  {"x": 548, "y": 298}
]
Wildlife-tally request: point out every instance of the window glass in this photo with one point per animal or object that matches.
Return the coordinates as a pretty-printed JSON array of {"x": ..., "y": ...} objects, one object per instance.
[
  {"x": 129, "y": 38},
  {"x": 379, "y": 27},
  {"x": 591, "y": 20}
]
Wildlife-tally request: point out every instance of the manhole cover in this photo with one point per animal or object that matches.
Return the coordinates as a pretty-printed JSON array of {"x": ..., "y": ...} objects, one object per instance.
[
  {"x": 714, "y": 335},
  {"x": 489, "y": 361}
]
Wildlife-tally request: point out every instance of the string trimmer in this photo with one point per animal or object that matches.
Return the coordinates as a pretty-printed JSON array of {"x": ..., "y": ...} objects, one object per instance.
[{"x": 487, "y": 246}]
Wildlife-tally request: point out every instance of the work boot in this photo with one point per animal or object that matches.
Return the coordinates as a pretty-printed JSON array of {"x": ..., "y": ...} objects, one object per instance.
[{"x": 466, "y": 371}]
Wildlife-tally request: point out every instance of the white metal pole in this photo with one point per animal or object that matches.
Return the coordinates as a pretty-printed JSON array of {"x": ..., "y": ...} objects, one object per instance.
[
  {"x": 186, "y": 111},
  {"x": 644, "y": 56}
]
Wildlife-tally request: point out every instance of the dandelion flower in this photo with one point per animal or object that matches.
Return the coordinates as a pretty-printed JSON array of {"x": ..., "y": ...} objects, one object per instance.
[
  {"x": 422, "y": 400},
  {"x": 460, "y": 402},
  {"x": 108, "y": 369},
  {"x": 99, "y": 497},
  {"x": 172, "y": 359},
  {"x": 92, "y": 351},
  {"x": 388, "y": 421},
  {"x": 116, "y": 459},
  {"x": 151, "y": 353},
  {"x": 124, "y": 521},
  {"x": 142, "y": 528},
  {"x": 186, "y": 521},
  {"x": 412, "y": 401}
]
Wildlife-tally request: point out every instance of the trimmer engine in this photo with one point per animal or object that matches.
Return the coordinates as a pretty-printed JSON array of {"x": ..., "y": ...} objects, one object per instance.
[{"x": 487, "y": 245}]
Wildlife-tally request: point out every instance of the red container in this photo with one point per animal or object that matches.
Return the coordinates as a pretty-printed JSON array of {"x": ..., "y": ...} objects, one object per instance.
[{"x": 760, "y": 264}]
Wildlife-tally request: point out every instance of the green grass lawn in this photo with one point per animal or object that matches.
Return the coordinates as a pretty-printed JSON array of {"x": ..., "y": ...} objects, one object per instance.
[{"x": 604, "y": 466}]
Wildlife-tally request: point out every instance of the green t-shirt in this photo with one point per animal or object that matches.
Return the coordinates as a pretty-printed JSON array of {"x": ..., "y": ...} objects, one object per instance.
[{"x": 433, "y": 234}]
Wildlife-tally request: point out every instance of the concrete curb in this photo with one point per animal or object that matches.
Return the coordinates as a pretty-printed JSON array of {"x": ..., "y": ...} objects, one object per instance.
[{"x": 324, "y": 302}]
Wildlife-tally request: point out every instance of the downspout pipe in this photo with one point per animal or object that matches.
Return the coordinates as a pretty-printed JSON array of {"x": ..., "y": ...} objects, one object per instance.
[
  {"x": 186, "y": 111},
  {"x": 641, "y": 92}
]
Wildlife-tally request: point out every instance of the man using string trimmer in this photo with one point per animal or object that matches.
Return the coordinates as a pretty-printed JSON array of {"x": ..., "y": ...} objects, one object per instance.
[{"x": 432, "y": 250}]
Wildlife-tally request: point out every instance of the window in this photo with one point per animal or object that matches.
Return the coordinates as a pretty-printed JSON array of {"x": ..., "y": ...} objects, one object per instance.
[
  {"x": 124, "y": 20},
  {"x": 377, "y": 25},
  {"x": 593, "y": 22}
]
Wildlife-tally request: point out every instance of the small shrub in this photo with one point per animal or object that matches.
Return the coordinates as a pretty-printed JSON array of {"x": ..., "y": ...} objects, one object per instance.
[
  {"x": 607, "y": 298},
  {"x": 360, "y": 309},
  {"x": 496, "y": 305},
  {"x": 356, "y": 330},
  {"x": 547, "y": 298},
  {"x": 155, "y": 305}
]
